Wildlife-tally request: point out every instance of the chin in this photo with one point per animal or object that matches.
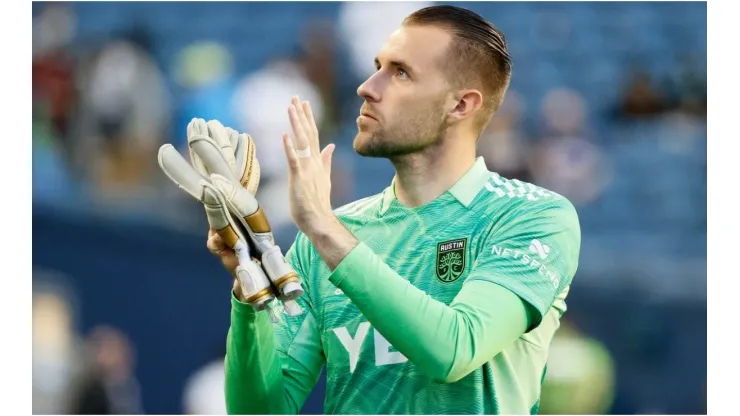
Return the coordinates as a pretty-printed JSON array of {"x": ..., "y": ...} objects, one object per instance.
[
  {"x": 363, "y": 144},
  {"x": 360, "y": 142}
]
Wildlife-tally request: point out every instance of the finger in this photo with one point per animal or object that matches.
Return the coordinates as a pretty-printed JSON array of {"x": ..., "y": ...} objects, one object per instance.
[
  {"x": 233, "y": 137},
  {"x": 313, "y": 131},
  {"x": 290, "y": 152},
  {"x": 301, "y": 141},
  {"x": 215, "y": 244},
  {"x": 326, "y": 156},
  {"x": 296, "y": 102}
]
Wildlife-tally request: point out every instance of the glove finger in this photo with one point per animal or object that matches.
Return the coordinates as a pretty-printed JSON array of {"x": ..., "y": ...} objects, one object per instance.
[
  {"x": 197, "y": 128},
  {"x": 180, "y": 171},
  {"x": 219, "y": 134},
  {"x": 233, "y": 137},
  {"x": 241, "y": 203},
  {"x": 209, "y": 152}
]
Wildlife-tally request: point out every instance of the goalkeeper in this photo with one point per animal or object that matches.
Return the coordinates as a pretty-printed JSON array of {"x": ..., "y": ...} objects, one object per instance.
[{"x": 441, "y": 294}]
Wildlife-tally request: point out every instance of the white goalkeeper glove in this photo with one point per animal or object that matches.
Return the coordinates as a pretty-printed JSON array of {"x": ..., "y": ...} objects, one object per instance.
[{"x": 224, "y": 176}]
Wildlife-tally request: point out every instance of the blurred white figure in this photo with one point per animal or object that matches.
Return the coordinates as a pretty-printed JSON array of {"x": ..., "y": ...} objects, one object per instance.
[
  {"x": 126, "y": 80},
  {"x": 53, "y": 28},
  {"x": 204, "y": 390},
  {"x": 261, "y": 105},
  {"x": 564, "y": 112},
  {"x": 565, "y": 161},
  {"x": 125, "y": 116},
  {"x": 365, "y": 26}
]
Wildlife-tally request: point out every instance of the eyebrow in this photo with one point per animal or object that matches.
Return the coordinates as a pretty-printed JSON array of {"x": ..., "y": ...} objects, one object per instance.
[{"x": 396, "y": 64}]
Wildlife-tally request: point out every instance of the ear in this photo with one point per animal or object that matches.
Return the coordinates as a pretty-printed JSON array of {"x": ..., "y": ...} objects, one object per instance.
[{"x": 466, "y": 104}]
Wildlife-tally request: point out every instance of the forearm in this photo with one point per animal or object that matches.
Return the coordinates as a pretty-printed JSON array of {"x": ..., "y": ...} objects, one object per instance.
[
  {"x": 254, "y": 380},
  {"x": 445, "y": 342},
  {"x": 332, "y": 241}
]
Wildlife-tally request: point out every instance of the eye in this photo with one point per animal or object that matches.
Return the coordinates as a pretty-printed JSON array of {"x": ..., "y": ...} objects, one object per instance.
[{"x": 402, "y": 74}]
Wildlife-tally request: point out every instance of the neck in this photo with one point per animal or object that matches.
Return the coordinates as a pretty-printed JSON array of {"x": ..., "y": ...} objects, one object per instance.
[{"x": 422, "y": 177}]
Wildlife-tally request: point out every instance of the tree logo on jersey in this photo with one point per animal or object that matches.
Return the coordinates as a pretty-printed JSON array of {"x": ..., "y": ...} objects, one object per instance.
[{"x": 451, "y": 259}]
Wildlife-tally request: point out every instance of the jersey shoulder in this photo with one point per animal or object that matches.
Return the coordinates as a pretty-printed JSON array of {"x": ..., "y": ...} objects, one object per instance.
[
  {"x": 503, "y": 197},
  {"x": 360, "y": 211}
]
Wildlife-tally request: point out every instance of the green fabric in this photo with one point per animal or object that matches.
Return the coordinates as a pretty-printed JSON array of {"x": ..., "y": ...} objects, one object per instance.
[{"x": 448, "y": 308}]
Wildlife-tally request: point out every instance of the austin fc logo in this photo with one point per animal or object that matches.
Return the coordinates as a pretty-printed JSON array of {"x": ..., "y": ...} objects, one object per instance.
[{"x": 451, "y": 259}]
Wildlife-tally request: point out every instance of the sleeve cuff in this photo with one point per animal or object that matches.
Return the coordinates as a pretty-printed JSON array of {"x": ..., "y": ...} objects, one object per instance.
[
  {"x": 242, "y": 310},
  {"x": 351, "y": 264}
]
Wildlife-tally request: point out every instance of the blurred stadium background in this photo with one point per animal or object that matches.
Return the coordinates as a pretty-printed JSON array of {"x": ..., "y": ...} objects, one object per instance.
[{"x": 607, "y": 106}]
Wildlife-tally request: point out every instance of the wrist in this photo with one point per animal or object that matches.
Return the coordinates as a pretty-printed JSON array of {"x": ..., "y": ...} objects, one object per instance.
[
  {"x": 332, "y": 241},
  {"x": 322, "y": 228}
]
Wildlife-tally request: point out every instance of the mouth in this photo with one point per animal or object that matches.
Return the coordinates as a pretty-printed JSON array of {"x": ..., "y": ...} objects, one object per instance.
[{"x": 367, "y": 115}]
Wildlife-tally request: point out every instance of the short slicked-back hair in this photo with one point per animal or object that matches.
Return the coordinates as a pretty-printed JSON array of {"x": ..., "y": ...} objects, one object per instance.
[{"x": 478, "y": 56}]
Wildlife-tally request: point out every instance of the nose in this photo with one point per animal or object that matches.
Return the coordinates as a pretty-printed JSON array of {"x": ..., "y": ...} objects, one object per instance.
[{"x": 369, "y": 90}]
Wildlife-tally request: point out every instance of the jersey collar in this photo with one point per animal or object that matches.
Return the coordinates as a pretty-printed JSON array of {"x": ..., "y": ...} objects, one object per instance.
[{"x": 464, "y": 190}]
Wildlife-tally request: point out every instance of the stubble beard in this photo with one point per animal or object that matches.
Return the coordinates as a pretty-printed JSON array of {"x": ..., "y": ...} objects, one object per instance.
[{"x": 393, "y": 142}]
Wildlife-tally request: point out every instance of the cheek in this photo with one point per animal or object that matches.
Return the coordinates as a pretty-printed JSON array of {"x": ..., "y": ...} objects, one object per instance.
[
  {"x": 414, "y": 108},
  {"x": 424, "y": 110}
]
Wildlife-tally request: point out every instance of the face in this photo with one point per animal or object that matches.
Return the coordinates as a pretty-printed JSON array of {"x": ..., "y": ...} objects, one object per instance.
[{"x": 407, "y": 99}]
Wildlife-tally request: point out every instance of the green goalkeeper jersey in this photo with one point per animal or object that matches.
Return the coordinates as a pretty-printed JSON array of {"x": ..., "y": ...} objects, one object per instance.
[{"x": 447, "y": 308}]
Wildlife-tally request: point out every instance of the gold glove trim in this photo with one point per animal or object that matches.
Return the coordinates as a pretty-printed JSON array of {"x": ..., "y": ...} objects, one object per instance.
[
  {"x": 258, "y": 295},
  {"x": 258, "y": 222},
  {"x": 290, "y": 277},
  {"x": 229, "y": 236}
]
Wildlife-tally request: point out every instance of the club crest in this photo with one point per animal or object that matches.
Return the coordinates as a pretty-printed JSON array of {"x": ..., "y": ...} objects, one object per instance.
[{"x": 451, "y": 259}]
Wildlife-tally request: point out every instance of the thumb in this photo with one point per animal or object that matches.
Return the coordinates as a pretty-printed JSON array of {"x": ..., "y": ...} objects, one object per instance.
[{"x": 326, "y": 156}]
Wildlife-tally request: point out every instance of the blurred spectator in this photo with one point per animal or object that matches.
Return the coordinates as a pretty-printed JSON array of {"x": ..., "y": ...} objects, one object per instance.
[
  {"x": 108, "y": 385},
  {"x": 55, "y": 344},
  {"x": 566, "y": 160},
  {"x": 53, "y": 71},
  {"x": 502, "y": 144},
  {"x": 580, "y": 375},
  {"x": 641, "y": 98},
  {"x": 124, "y": 118}
]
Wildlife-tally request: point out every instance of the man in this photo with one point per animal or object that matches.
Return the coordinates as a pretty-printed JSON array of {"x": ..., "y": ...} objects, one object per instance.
[{"x": 441, "y": 294}]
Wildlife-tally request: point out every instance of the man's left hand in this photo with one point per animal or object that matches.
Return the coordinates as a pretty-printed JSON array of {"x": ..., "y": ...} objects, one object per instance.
[{"x": 309, "y": 171}]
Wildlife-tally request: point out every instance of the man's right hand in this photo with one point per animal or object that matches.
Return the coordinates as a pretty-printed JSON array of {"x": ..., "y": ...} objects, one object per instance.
[
  {"x": 223, "y": 175},
  {"x": 228, "y": 258}
]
